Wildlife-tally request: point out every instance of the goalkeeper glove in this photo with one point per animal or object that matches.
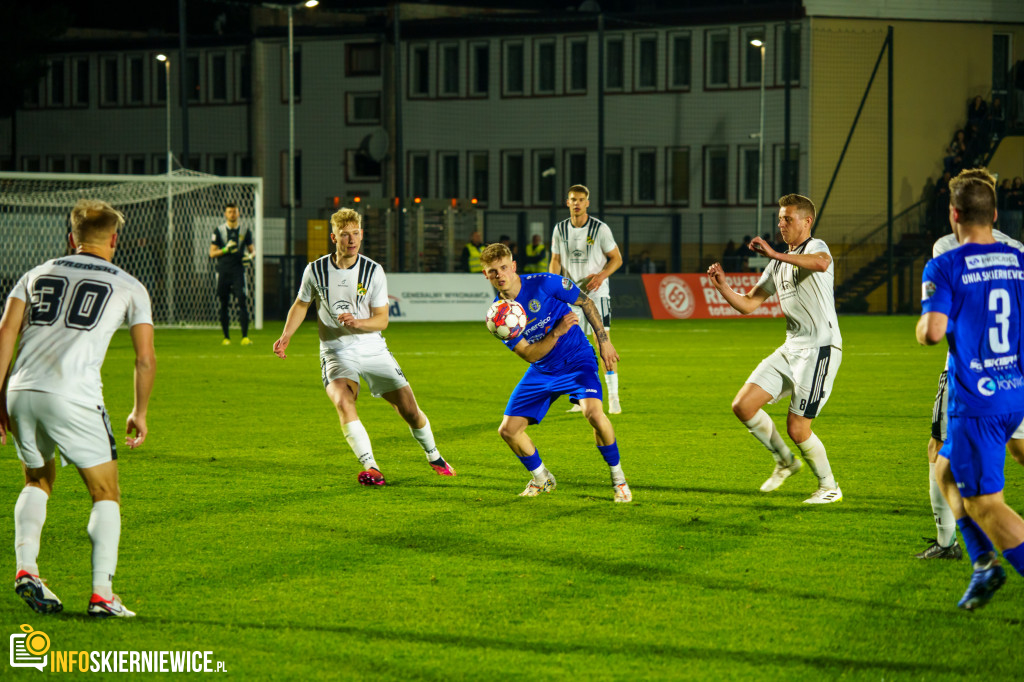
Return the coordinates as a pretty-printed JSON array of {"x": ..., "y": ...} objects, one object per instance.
[
  {"x": 230, "y": 246},
  {"x": 248, "y": 257}
]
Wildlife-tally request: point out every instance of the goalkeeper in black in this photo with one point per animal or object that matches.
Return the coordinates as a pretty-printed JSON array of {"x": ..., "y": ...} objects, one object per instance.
[{"x": 232, "y": 248}]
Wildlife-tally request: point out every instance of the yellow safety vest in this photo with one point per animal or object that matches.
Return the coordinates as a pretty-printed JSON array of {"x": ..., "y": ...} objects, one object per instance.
[
  {"x": 542, "y": 264},
  {"x": 474, "y": 257}
]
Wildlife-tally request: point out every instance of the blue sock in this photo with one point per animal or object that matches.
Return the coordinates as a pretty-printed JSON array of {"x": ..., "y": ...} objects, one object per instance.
[
  {"x": 532, "y": 462},
  {"x": 610, "y": 453},
  {"x": 975, "y": 540},
  {"x": 1016, "y": 557}
]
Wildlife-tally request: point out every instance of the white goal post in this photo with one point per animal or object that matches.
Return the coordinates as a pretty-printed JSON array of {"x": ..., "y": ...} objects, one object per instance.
[{"x": 169, "y": 221}]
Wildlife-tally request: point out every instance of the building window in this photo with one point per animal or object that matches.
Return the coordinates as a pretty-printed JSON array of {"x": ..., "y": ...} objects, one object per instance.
[
  {"x": 614, "y": 69},
  {"x": 479, "y": 176},
  {"x": 110, "y": 89},
  {"x": 57, "y": 83},
  {"x": 219, "y": 78},
  {"x": 81, "y": 164},
  {"x": 544, "y": 174},
  {"x": 136, "y": 164},
  {"x": 480, "y": 76},
  {"x": 613, "y": 175},
  {"x": 362, "y": 59},
  {"x": 578, "y": 65},
  {"x": 56, "y": 164},
  {"x": 134, "y": 81},
  {"x": 679, "y": 176},
  {"x": 449, "y": 70},
  {"x": 576, "y": 167},
  {"x": 420, "y": 71},
  {"x": 646, "y": 175},
  {"x": 82, "y": 81},
  {"x": 243, "y": 76},
  {"x": 219, "y": 164},
  {"x": 751, "y": 55},
  {"x": 363, "y": 108},
  {"x": 716, "y": 175},
  {"x": 787, "y": 169},
  {"x": 449, "y": 173},
  {"x": 359, "y": 167},
  {"x": 419, "y": 171},
  {"x": 160, "y": 163},
  {"x": 284, "y": 178},
  {"x": 514, "y": 177},
  {"x": 514, "y": 69},
  {"x": 110, "y": 165},
  {"x": 646, "y": 62},
  {"x": 193, "y": 83},
  {"x": 545, "y": 73},
  {"x": 30, "y": 164},
  {"x": 682, "y": 61},
  {"x": 749, "y": 175},
  {"x": 717, "y": 59},
  {"x": 243, "y": 165},
  {"x": 787, "y": 56}
]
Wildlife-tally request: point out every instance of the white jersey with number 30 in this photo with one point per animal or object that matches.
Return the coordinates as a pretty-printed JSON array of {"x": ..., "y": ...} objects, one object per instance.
[{"x": 74, "y": 304}]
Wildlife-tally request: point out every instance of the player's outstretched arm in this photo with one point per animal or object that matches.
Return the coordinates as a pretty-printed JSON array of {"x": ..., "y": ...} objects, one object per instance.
[
  {"x": 376, "y": 322},
  {"x": 296, "y": 314},
  {"x": 744, "y": 303},
  {"x": 10, "y": 327},
  {"x": 145, "y": 373},
  {"x": 931, "y": 328},
  {"x": 532, "y": 352}
]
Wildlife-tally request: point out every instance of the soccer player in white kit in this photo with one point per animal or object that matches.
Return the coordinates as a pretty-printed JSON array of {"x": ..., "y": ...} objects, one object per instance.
[
  {"x": 805, "y": 366},
  {"x": 585, "y": 249},
  {"x": 66, "y": 311},
  {"x": 352, "y": 311}
]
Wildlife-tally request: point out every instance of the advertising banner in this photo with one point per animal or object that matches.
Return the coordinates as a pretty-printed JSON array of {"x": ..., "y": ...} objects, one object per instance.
[
  {"x": 692, "y": 296},
  {"x": 629, "y": 298},
  {"x": 438, "y": 297}
]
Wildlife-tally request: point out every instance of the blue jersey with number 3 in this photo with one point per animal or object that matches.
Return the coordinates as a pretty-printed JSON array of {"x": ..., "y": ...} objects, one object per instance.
[{"x": 980, "y": 287}]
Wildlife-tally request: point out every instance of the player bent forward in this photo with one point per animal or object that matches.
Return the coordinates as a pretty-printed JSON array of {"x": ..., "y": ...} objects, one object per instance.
[
  {"x": 66, "y": 310},
  {"x": 805, "y": 366},
  {"x": 561, "y": 361},
  {"x": 352, "y": 311}
]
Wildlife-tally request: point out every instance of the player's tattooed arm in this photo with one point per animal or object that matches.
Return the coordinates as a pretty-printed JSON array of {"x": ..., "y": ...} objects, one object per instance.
[{"x": 593, "y": 317}]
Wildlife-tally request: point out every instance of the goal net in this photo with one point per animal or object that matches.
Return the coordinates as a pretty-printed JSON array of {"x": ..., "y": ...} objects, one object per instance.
[{"x": 169, "y": 222}]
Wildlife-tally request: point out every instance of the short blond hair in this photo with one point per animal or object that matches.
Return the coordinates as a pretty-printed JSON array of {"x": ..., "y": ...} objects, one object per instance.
[
  {"x": 581, "y": 189},
  {"x": 345, "y": 216},
  {"x": 973, "y": 194},
  {"x": 495, "y": 252},
  {"x": 93, "y": 220},
  {"x": 801, "y": 202}
]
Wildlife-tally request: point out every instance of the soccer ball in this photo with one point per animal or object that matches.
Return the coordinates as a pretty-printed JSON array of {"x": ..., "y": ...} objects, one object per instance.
[{"x": 506, "y": 319}]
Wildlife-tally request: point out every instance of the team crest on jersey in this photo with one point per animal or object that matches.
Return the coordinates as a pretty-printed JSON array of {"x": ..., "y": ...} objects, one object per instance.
[
  {"x": 927, "y": 290},
  {"x": 590, "y": 241},
  {"x": 566, "y": 284},
  {"x": 534, "y": 305},
  {"x": 360, "y": 289}
]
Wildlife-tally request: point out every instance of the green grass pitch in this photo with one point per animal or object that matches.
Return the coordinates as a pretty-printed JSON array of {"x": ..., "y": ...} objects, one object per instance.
[{"x": 246, "y": 534}]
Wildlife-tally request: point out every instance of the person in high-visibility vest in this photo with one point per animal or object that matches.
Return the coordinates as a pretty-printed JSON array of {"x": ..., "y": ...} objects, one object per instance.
[
  {"x": 471, "y": 253},
  {"x": 536, "y": 255}
]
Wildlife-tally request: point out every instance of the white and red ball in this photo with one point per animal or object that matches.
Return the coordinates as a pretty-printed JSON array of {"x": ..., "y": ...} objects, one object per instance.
[{"x": 506, "y": 319}]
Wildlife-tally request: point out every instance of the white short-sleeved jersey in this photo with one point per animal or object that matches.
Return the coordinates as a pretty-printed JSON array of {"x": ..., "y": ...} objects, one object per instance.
[
  {"x": 353, "y": 290},
  {"x": 582, "y": 250},
  {"x": 948, "y": 242},
  {"x": 74, "y": 304},
  {"x": 807, "y": 299}
]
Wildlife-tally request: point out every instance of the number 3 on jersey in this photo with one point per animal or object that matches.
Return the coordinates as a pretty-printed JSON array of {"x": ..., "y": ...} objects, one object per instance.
[
  {"x": 999, "y": 335},
  {"x": 88, "y": 300}
]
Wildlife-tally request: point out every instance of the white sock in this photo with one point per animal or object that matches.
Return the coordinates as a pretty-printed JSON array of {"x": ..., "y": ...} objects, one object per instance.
[
  {"x": 425, "y": 437},
  {"x": 611, "y": 380},
  {"x": 617, "y": 475},
  {"x": 763, "y": 428},
  {"x": 945, "y": 524},
  {"x": 359, "y": 441},
  {"x": 29, "y": 517},
  {"x": 814, "y": 454},
  {"x": 105, "y": 533},
  {"x": 540, "y": 474}
]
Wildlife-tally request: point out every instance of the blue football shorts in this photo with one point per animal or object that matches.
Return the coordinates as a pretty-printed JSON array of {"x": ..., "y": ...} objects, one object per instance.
[
  {"x": 976, "y": 450},
  {"x": 536, "y": 391}
]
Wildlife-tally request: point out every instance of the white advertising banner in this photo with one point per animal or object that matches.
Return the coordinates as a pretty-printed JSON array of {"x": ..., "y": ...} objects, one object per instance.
[{"x": 441, "y": 297}]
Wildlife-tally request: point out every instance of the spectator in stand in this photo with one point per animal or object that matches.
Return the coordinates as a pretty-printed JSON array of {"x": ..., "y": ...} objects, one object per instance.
[
  {"x": 647, "y": 266},
  {"x": 939, "y": 222},
  {"x": 1014, "y": 212},
  {"x": 977, "y": 110},
  {"x": 995, "y": 122},
  {"x": 1002, "y": 191},
  {"x": 730, "y": 260},
  {"x": 977, "y": 144},
  {"x": 744, "y": 254}
]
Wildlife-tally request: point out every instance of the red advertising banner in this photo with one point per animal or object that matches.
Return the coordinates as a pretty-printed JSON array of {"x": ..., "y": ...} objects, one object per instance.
[{"x": 692, "y": 296}]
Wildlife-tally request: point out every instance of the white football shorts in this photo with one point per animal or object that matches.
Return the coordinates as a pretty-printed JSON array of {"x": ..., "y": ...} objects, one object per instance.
[
  {"x": 604, "y": 309},
  {"x": 378, "y": 369},
  {"x": 940, "y": 418},
  {"x": 806, "y": 374},
  {"x": 41, "y": 421}
]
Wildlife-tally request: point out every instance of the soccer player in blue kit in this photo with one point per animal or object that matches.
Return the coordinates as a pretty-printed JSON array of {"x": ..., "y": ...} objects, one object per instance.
[
  {"x": 974, "y": 296},
  {"x": 561, "y": 361}
]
